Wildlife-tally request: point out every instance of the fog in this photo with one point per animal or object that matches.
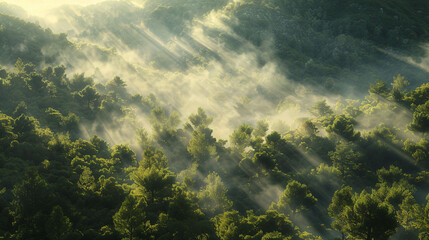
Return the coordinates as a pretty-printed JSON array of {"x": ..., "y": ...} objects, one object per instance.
[
  {"x": 179, "y": 56},
  {"x": 233, "y": 87},
  {"x": 39, "y": 7},
  {"x": 193, "y": 69}
]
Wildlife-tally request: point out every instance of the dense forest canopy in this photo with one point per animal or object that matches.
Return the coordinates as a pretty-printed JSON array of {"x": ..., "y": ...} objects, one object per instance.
[{"x": 192, "y": 119}]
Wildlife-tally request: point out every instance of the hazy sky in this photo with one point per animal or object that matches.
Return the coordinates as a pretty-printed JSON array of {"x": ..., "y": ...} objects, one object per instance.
[{"x": 34, "y": 7}]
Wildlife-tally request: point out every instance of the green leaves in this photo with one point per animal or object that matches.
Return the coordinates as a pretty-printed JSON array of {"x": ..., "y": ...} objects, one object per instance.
[
  {"x": 373, "y": 215},
  {"x": 58, "y": 226},
  {"x": 124, "y": 155},
  {"x": 380, "y": 88},
  {"x": 321, "y": 109},
  {"x": 202, "y": 145},
  {"x": 370, "y": 218},
  {"x": 264, "y": 159},
  {"x": 213, "y": 197},
  {"x": 200, "y": 119},
  {"x": 271, "y": 225},
  {"x": 89, "y": 97},
  {"x": 154, "y": 158},
  {"x": 343, "y": 126},
  {"x": 241, "y": 138},
  {"x": 295, "y": 198},
  {"x": 30, "y": 205},
  {"x": 154, "y": 184},
  {"x": 130, "y": 220},
  {"x": 420, "y": 121},
  {"x": 86, "y": 180}
]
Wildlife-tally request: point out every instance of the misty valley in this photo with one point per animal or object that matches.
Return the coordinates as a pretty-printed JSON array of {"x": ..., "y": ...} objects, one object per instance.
[{"x": 214, "y": 120}]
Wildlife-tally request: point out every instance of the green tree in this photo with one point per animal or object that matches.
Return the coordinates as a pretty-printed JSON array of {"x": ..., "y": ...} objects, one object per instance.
[
  {"x": 398, "y": 87},
  {"x": 370, "y": 218},
  {"x": 59, "y": 75},
  {"x": 198, "y": 119},
  {"x": 261, "y": 129},
  {"x": 89, "y": 97},
  {"x": 102, "y": 147},
  {"x": 54, "y": 118},
  {"x": 79, "y": 82},
  {"x": 86, "y": 180},
  {"x": 212, "y": 198},
  {"x": 379, "y": 88},
  {"x": 391, "y": 176},
  {"x": 117, "y": 85},
  {"x": 242, "y": 137},
  {"x": 154, "y": 184},
  {"x": 30, "y": 206},
  {"x": 349, "y": 160},
  {"x": 81, "y": 148},
  {"x": 154, "y": 158},
  {"x": 274, "y": 236},
  {"x": 183, "y": 219},
  {"x": 143, "y": 138},
  {"x": 418, "y": 96},
  {"x": 278, "y": 153},
  {"x": 36, "y": 82},
  {"x": 273, "y": 221},
  {"x": 295, "y": 198},
  {"x": 228, "y": 225},
  {"x": 129, "y": 221},
  {"x": 343, "y": 126},
  {"x": 3, "y": 73},
  {"x": 321, "y": 109},
  {"x": 60, "y": 123},
  {"x": 307, "y": 128},
  {"x": 164, "y": 128},
  {"x": 202, "y": 145},
  {"x": 420, "y": 121},
  {"x": 111, "y": 193},
  {"x": 419, "y": 151},
  {"x": 124, "y": 154},
  {"x": 58, "y": 226},
  {"x": 6, "y": 131},
  {"x": 25, "y": 127},
  {"x": 264, "y": 158},
  {"x": 342, "y": 198},
  {"x": 414, "y": 216}
]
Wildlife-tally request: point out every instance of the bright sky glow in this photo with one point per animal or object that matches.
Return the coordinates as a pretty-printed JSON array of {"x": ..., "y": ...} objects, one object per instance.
[{"x": 37, "y": 7}]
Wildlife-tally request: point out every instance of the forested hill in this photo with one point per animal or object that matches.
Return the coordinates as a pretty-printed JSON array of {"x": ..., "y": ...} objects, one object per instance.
[
  {"x": 333, "y": 44},
  {"x": 315, "y": 182},
  {"x": 337, "y": 45},
  {"x": 29, "y": 42},
  {"x": 223, "y": 120},
  {"x": 40, "y": 46}
]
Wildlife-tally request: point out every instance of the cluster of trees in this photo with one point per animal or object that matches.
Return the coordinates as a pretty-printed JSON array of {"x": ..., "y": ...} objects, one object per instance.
[
  {"x": 343, "y": 174},
  {"x": 63, "y": 103},
  {"x": 327, "y": 39},
  {"x": 330, "y": 178},
  {"x": 40, "y": 46},
  {"x": 22, "y": 39},
  {"x": 311, "y": 39}
]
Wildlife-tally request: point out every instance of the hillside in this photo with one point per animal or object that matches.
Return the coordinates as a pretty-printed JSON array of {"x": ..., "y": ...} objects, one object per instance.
[
  {"x": 215, "y": 120},
  {"x": 334, "y": 45},
  {"x": 34, "y": 44},
  {"x": 175, "y": 175}
]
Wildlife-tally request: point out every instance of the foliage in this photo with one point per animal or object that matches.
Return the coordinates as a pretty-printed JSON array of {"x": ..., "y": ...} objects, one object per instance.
[
  {"x": 295, "y": 198},
  {"x": 129, "y": 220},
  {"x": 87, "y": 189},
  {"x": 58, "y": 182},
  {"x": 212, "y": 198}
]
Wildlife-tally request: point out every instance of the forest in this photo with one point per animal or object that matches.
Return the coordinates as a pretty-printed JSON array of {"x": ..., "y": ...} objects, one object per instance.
[{"x": 223, "y": 120}]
